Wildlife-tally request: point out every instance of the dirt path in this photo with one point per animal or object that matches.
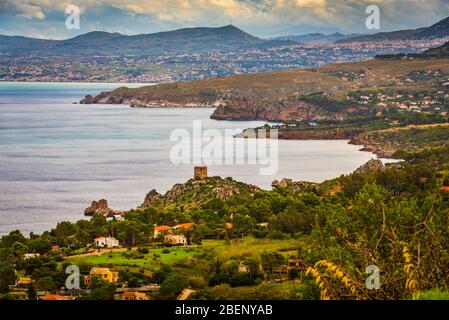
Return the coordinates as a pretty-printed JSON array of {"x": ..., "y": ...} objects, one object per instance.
[
  {"x": 414, "y": 126},
  {"x": 96, "y": 253},
  {"x": 185, "y": 294}
]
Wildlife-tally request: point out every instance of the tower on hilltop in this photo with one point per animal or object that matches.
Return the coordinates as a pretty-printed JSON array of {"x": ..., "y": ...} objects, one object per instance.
[{"x": 200, "y": 173}]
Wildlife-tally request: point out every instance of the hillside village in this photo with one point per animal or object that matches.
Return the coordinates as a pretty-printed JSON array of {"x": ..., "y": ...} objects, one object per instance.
[{"x": 180, "y": 238}]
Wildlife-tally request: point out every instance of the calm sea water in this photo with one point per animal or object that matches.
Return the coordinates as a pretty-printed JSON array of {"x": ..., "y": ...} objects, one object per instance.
[{"x": 56, "y": 156}]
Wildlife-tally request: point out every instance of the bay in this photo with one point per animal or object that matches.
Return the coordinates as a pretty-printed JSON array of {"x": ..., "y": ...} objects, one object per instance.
[{"x": 56, "y": 156}]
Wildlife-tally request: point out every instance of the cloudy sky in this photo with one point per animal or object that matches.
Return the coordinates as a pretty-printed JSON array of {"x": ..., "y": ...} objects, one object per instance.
[{"x": 263, "y": 18}]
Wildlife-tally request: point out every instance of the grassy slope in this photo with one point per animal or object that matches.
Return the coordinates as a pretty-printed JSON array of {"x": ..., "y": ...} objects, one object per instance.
[
  {"x": 251, "y": 246},
  {"x": 237, "y": 248},
  {"x": 273, "y": 85},
  {"x": 118, "y": 259}
]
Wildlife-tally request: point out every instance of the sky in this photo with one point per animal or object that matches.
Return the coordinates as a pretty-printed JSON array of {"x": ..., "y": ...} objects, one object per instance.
[{"x": 262, "y": 18}]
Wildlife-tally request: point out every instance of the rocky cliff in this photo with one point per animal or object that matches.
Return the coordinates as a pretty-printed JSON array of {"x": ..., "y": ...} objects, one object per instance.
[
  {"x": 271, "y": 96},
  {"x": 372, "y": 165},
  {"x": 197, "y": 192},
  {"x": 101, "y": 207},
  {"x": 280, "y": 110}
]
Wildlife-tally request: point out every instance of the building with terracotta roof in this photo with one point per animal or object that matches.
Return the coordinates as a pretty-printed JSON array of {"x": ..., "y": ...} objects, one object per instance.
[
  {"x": 53, "y": 297},
  {"x": 184, "y": 226},
  {"x": 161, "y": 230},
  {"x": 103, "y": 273},
  {"x": 106, "y": 242},
  {"x": 131, "y": 295},
  {"x": 176, "y": 239},
  {"x": 24, "y": 281}
]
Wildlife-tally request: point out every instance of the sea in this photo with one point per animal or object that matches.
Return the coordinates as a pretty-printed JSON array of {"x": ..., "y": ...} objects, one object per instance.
[{"x": 56, "y": 155}]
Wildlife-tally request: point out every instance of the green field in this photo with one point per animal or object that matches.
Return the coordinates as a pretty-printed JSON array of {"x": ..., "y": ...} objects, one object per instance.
[
  {"x": 151, "y": 260},
  {"x": 156, "y": 256},
  {"x": 251, "y": 247}
]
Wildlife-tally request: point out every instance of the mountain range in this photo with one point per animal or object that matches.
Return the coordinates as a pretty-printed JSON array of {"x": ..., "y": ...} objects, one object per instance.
[
  {"x": 188, "y": 40},
  {"x": 438, "y": 30},
  {"x": 441, "y": 52},
  {"x": 317, "y": 38},
  {"x": 104, "y": 43}
]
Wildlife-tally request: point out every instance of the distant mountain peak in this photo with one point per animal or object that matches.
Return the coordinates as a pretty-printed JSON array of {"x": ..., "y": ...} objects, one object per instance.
[
  {"x": 438, "y": 30},
  {"x": 97, "y": 35}
]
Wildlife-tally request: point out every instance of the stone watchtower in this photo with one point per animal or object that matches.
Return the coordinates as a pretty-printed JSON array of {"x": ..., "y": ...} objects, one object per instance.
[{"x": 200, "y": 173}]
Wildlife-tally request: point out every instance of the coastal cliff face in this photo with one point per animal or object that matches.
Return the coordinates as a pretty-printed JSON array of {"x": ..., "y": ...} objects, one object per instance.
[
  {"x": 281, "y": 110},
  {"x": 144, "y": 102},
  {"x": 272, "y": 96},
  {"x": 371, "y": 143},
  {"x": 228, "y": 106}
]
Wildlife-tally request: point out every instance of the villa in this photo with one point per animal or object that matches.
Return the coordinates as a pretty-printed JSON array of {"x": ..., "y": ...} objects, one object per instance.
[
  {"x": 23, "y": 281},
  {"x": 106, "y": 242},
  {"x": 30, "y": 255},
  {"x": 184, "y": 226},
  {"x": 103, "y": 273},
  {"x": 176, "y": 239},
  {"x": 53, "y": 297},
  {"x": 161, "y": 230},
  {"x": 135, "y": 296}
]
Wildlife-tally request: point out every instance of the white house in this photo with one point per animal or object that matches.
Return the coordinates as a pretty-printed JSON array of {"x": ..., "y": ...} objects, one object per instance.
[
  {"x": 30, "y": 255},
  {"x": 176, "y": 239},
  {"x": 106, "y": 242}
]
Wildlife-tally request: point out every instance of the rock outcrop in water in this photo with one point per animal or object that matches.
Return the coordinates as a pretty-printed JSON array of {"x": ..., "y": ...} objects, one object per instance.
[{"x": 101, "y": 207}]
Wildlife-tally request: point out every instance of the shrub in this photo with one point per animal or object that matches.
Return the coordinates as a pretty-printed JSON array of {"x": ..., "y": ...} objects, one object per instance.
[
  {"x": 143, "y": 250},
  {"x": 241, "y": 279},
  {"x": 434, "y": 294}
]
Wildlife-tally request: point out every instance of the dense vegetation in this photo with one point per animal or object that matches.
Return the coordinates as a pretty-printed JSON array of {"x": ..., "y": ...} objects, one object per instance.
[{"x": 396, "y": 219}]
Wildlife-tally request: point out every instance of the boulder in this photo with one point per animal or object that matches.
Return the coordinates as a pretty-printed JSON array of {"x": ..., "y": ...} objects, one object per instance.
[
  {"x": 372, "y": 165},
  {"x": 151, "y": 198},
  {"x": 88, "y": 100},
  {"x": 99, "y": 207}
]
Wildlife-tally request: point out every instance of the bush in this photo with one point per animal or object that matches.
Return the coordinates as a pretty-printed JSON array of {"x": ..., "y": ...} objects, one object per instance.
[
  {"x": 241, "y": 279},
  {"x": 197, "y": 282},
  {"x": 277, "y": 235},
  {"x": 172, "y": 286},
  {"x": 143, "y": 250},
  {"x": 434, "y": 294}
]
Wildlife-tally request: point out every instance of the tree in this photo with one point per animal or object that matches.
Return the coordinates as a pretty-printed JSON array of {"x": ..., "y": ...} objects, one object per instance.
[
  {"x": 19, "y": 248},
  {"x": 244, "y": 223},
  {"x": 101, "y": 290},
  {"x": 31, "y": 292},
  {"x": 11, "y": 238},
  {"x": 29, "y": 265},
  {"x": 39, "y": 246},
  {"x": 134, "y": 282},
  {"x": 7, "y": 277},
  {"x": 253, "y": 265},
  {"x": 46, "y": 283},
  {"x": 271, "y": 260},
  {"x": 291, "y": 221},
  {"x": 172, "y": 286},
  {"x": 7, "y": 255}
]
